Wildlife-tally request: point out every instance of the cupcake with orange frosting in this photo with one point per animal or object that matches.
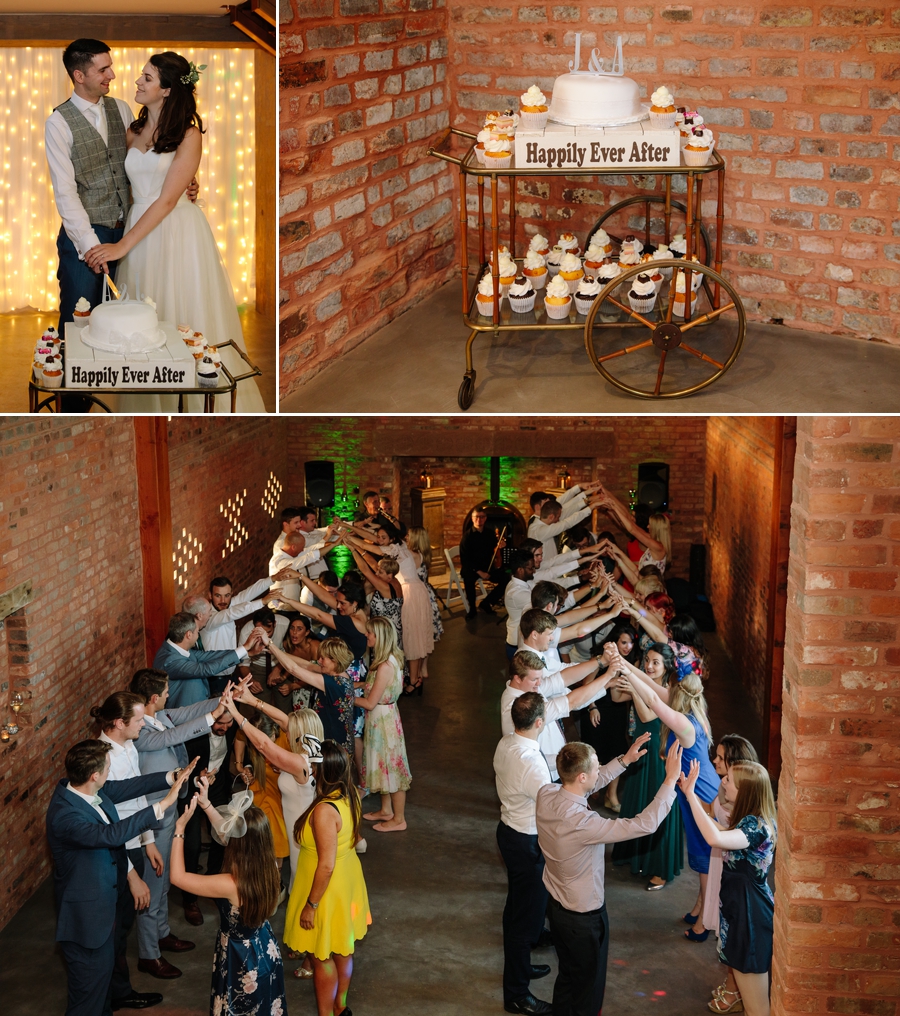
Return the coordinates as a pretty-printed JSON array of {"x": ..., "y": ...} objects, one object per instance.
[
  {"x": 662, "y": 108},
  {"x": 570, "y": 269},
  {"x": 497, "y": 154},
  {"x": 557, "y": 299},
  {"x": 533, "y": 109},
  {"x": 534, "y": 269}
]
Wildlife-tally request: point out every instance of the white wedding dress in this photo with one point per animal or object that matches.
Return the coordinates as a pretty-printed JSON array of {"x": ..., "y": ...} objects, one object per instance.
[{"x": 179, "y": 265}]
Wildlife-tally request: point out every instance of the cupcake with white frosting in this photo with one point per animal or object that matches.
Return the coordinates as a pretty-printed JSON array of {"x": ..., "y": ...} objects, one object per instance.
[
  {"x": 600, "y": 238},
  {"x": 497, "y": 154},
  {"x": 678, "y": 246},
  {"x": 484, "y": 135},
  {"x": 484, "y": 298},
  {"x": 569, "y": 243},
  {"x": 662, "y": 253},
  {"x": 540, "y": 244},
  {"x": 557, "y": 299},
  {"x": 662, "y": 108},
  {"x": 521, "y": 295},
  {"x": 82, "y": 312},
  {"x": 52, "y": 373},
  {"x": 534, "y": 269},
  {"x": 698, "y": 148},
  {"x": 586, "y": 294},
  {"x": 207, "y": 373},
  {"x": 642, "y": 295},
  {"x": 678, "y": 304},
  {"x": 553, "y": 259},
  {"x": 502, "y": 251},
  {"x": 533, "y": 109},
  {"x": 570, "y": 269},
  {"x": 595, "y": 255},
  {"x": 507, "y": 269}
]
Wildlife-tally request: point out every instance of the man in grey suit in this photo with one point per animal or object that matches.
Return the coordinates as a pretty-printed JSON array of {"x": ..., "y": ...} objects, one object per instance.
[
  {"x": 91, "y": 868},
  {"x": 161, "y": 748},
  {"x": 188, "y": 668}
]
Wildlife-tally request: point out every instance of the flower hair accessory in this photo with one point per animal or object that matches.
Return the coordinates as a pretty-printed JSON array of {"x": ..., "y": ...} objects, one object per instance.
[
  {"x": 194, "y": 76},
  {"x": 234, "y": 824}
]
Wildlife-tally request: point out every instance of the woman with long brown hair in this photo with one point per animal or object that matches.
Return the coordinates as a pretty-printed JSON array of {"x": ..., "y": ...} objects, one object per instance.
[
  {"x": 328, "y": 911},
  {"x": 248, "y": 974}
]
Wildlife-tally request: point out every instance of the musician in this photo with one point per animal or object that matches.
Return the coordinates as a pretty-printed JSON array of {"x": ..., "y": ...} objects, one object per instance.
[{"x": 479, "y": 555}]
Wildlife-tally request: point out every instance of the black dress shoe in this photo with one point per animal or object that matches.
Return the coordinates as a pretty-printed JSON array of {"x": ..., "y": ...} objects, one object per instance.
[
  {"x": 486, "y": 607},
  {"x": 137, "y": 1000},
  {"x": 539, "y": 970},
  {"x": 471, "y": 615},
  {"x": 529, "y": 1005}
]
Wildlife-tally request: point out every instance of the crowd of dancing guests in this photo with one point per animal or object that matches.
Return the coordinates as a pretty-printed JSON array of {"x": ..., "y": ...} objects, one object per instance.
[
  {"x": 595, "y": 641},
  {"x": 269, "y": 714}
]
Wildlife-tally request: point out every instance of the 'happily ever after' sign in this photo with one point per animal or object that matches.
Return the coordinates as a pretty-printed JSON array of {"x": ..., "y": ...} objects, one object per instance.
[{"x": 582, "y": 148}]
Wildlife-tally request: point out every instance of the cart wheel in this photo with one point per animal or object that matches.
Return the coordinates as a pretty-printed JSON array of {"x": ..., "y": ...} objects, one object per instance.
[
  {"x": 466, "y": 391},
  {"x": 664, "y": 356},
  {"x": 652, "y": 227}
]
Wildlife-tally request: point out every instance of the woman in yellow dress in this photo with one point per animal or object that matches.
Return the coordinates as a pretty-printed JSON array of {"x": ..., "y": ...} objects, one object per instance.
[{"x": 329, "y": 907}]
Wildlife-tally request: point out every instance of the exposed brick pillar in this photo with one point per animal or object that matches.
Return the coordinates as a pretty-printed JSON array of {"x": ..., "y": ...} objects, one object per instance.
[{"x": 837, "y": 923}]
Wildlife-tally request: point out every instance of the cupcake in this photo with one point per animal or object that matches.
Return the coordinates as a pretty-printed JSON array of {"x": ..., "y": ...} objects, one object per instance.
[
  {"x": 662, "y": 108},
  {"x": 198, "y": 352},
  {"x": 600, "y": 238},
  {"x": 82, "y": 311},
  {"x": 557, "y": 299},
  {"x": 484, "y": 135},
  {"x": 699, "y": 145},
  {"x": 195, "y": 340},
  {"x": 692, "y": 119},
  {"x": 570, "y": 269},
  {"x": 540, "y": 244},
  {"x": 642, "y": 294},
  {"x": 484, "y": 298},
  {"x": 502, "y": 250},
  {"x": 553, "y": 259},
  {"x": 507, "y": 269},
  {"x": 630, "y": 254},
  {"x": 569, "y": 243},
  {"x": 608, "y": 271},
  {"x": 521, "y": 295},
  {"x": 215, "y": 355},
  {"x": 185, "y": 331},
  {"x": 37, "y": 367},
  {"x": 534, "y": 109},
  {"x": 696, "y": 277},
  {"x": 207, "y": 373},
  {"x": 595, "y": 256},
  {"x": 497, "y": 154},
  {"x": 586, "y": 294},
  {"x": 662, "y": 253},
  {"x": 678, "y": 305},
  {"x": 654, "y": 273},
  {"x": 535, "y": 270},
  {"x": 50, "y": 335},
  {"x": 678, "y": 246},
  {"x": 52, "y": 373}
]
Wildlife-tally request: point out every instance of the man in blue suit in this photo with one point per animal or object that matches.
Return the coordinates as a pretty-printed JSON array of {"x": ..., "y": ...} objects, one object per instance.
[
  {"x": 87, "y": 841},
  {"x": 189, "y": 669}
]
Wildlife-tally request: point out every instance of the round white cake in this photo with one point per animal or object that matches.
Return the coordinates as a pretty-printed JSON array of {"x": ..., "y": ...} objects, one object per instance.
[
  {"x": 123, "y": 326},
  {"x": 595, "y": 100}
]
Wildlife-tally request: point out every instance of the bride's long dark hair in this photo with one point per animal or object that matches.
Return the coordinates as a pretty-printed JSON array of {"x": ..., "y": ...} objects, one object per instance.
[{"x": 179, "y": 111}]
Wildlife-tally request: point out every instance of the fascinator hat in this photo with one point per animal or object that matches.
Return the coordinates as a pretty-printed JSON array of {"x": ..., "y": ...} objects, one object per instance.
[{"x": 234, "y": 825}]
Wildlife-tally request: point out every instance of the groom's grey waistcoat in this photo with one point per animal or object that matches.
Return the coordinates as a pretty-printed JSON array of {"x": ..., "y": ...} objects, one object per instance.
[{"x": 99, "y": 169}]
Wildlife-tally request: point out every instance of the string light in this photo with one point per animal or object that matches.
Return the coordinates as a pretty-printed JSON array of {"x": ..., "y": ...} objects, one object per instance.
[{"x": 29, "y": 221}]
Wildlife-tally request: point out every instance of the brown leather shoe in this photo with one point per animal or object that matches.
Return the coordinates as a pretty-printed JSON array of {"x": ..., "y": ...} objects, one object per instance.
[
  {"x": 193, "y": 914},
  {"x": 172, "y": 943},
  {"x": 159, "y": 968}
]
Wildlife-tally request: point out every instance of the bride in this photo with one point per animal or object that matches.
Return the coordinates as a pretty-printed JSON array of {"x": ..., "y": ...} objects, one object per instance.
[{"x": 168, "y": 248}]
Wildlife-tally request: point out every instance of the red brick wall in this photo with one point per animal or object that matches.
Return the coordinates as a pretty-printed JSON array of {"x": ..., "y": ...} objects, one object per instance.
[
  {"x": 70, "y": 525},
  {"x": 740, "y": 455},
  {"x": 803, "y": 101},
  {"x": 214, "y": 460},
  {"x": 838, "y": 863},
  {"x": 367, "y": 218},
  {"x": 363, "y": 451}
]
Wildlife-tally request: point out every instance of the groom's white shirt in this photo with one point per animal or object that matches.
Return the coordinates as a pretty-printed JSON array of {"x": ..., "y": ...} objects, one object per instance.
[{"x": 58, "y": 146}]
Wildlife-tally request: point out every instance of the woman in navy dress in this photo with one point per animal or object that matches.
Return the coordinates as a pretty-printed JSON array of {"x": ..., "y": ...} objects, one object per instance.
[
  {"x": 248, "y": 973},
  {"x": 682, "y": 709},
  {"x": 746, "y": 902}
]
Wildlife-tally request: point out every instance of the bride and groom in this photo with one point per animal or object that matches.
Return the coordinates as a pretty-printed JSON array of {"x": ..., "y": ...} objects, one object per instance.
[{"x": 124, "y": 188}]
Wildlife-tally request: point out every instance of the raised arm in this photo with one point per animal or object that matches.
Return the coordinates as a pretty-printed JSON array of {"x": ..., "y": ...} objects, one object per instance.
[
  {"x": 322, "y": 616},
  {"x": 650, "y": 626},
  {"x": 623, "y": 517},
  {"x": 294, "y": 666},
  {"x": 710, "y": 830},
  {"x": 281, "y": 758},
  {"x": 630, "y": 668},
  {"x": 320, "y": 592},
  {"x": 378, "y": 581},
  {"x": 211, "y": 886},
  {"x": 678, "y": 723}
]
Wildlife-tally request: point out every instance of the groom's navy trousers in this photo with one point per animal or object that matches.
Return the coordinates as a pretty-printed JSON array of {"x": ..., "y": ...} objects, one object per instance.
[{"x": 76, "y": 279}]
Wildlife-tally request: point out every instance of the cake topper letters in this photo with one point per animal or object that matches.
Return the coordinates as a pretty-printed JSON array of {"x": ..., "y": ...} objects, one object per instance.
[{"x": 595, "y": 64}]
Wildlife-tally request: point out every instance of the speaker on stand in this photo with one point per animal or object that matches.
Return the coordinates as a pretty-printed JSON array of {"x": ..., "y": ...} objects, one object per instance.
[
  {"x": 653, "y": 485},
  {"x": 319, "y": 477}
]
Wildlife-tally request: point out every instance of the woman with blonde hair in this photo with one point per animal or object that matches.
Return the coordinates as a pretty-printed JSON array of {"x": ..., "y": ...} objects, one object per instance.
[
  {"x": 385, "y": 767},
  {"x": 682, "y": 709},
  {"x": 419, "y": 542},
  {"x": 745, "y": 900},
  {"x": 261, "y": 775},
  {"x": 656, "y": 538}
]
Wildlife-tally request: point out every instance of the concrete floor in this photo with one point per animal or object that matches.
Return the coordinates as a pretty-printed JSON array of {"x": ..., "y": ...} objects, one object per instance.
[
  {"x": 19, "y": 332},
  {"x": 415, "y": 365},
  {"x": 437, "y": 891}
]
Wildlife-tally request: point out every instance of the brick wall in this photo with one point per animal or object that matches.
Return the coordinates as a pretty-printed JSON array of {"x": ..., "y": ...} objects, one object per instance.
[
  {"x": 212, "y": 461},
  {"x": 838, "y": 863},
  {"x": 70, "y": 525},
  {"x": 803, "y": 101},
  {"x": 367, "y": 218},
  {"x": 740, "y": 457},
  {"x": 385, "y": 454}
]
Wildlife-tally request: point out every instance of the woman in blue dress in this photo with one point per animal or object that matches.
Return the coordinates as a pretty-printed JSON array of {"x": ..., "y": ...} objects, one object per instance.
[
  {"x": 746, "y": 902},
  {"x": 248, "y": 973},
  {"x": 682, "y": 709}
]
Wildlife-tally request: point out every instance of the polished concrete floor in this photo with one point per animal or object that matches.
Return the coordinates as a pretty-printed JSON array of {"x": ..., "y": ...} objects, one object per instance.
[
  {"x": 437, "y": 890},
  {"x": 19, "y": 332},
  {"x": 415, "y": 365}
]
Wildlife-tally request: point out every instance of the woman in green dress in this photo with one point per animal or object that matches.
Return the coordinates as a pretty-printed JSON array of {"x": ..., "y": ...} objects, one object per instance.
[{"x": 661, "y": 854}]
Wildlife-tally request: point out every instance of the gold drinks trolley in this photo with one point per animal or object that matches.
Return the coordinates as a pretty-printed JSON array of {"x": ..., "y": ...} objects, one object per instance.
[{"x": 670, "y": 362}]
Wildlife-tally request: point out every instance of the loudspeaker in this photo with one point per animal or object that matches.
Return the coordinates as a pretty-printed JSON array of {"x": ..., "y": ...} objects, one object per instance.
[
  {"x": 319, "y": 477},
  {"x": 698, "y": 568},
  {"x": 653, "y": 485}
]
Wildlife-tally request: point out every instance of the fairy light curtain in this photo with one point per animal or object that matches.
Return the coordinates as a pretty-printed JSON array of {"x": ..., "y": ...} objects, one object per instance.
[{"x": 35, "y": 81}]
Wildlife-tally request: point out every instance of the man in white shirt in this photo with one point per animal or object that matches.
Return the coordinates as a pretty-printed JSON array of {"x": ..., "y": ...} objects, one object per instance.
[
  {"x": 294, "y": 556},
  {"x": 521, "y": 770},
  {"x": 517, "y": 596},
  {"x": 304, "y": 520},
  {"x": 572, "y": 500}
]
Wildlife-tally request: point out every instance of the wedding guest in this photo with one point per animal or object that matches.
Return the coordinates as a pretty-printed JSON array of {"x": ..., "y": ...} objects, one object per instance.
[
  {"x": 370, "y": 508},
  {"x": 520, "y": 771},
  {"x": 517, "y": 596},
  {"x": 258, "y": 666},
  {"x": 477, "y": 559},
  {"x": 298, "y": 641},
  {"x": 328, "y": 911},
  {"x": 248, "y": 974},
  {"x": 552, "y": 523},
  {"x": 292, "y": 558},
  {"x": 291, "y": 518},
  {"x": 746, "y": 901},
  {"x": 419, "y": 542},
  {"x": 572, "y": 838},
  {"x": 264, "y": 775},
  {"x": 387, "y": 593},
  {"x": 84, "y": 831},
  {"x": 656, "y": 539},
  {"x": 348, "y": 622}
]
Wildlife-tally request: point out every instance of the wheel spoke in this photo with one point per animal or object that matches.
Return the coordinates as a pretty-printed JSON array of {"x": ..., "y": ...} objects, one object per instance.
[
  {"x": 701, "y": 356},
  {"x": 631, "y": 313},
  {"x": 706, "y": 317},
  {"x": 659, "y": 373},
  {"x": 627, "y": 349}
]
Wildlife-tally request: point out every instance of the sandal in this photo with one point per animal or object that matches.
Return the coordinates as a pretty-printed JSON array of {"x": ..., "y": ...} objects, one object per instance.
[
  {"x": 690, "y": 918},
  {"x": 720, "y": 1003},
  {"x": 692, "y": 935},
  {"x": 301, "y": 973}
]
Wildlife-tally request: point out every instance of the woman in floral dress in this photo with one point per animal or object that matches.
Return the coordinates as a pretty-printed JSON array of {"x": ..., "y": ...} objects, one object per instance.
[
  {"x": 248, "y": 974},
  {"x": 386, "y": 768}
]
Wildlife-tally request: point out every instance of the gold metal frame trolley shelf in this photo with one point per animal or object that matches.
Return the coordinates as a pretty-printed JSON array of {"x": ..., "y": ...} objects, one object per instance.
[{"x": 660, "y": 365}]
